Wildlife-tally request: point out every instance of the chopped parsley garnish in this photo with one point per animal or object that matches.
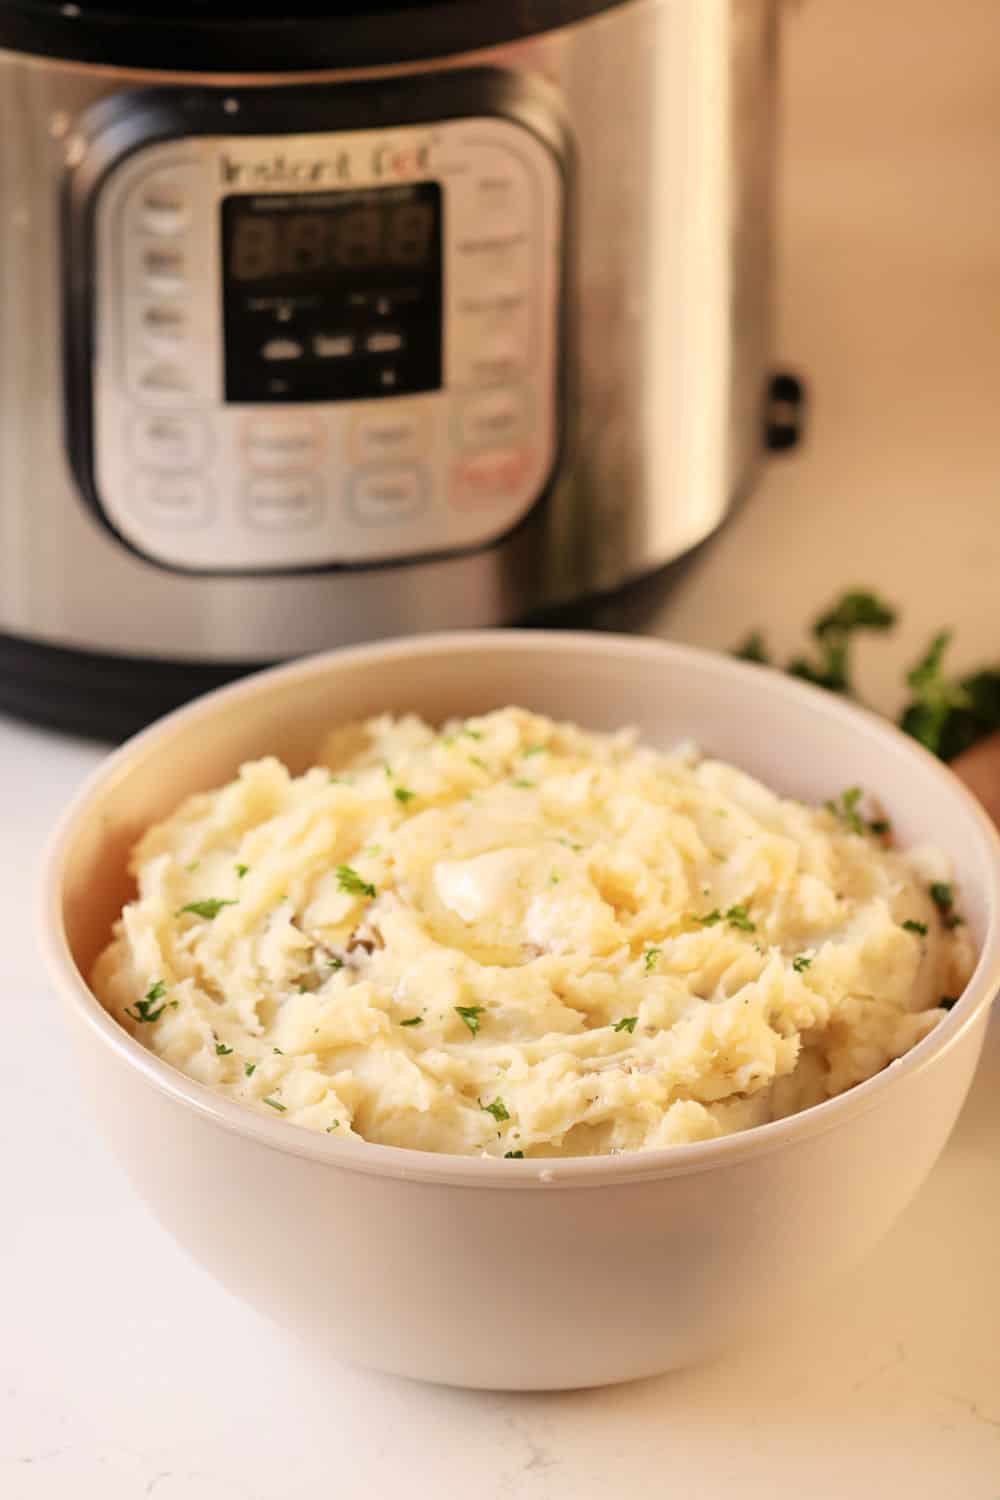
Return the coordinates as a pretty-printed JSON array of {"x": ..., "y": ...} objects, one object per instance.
[
  {"x": 801, "y": 962},
  {"x": 275, "y": 1104},
  {"x": 331, "y": 1128},
  {"x": 146, "y": 1009},
  {"x": 470, "y": 1015},
  {"x": 403, "y": 795},
  {"x": 242, "y": 870},
  {"x": 520, "y": 781},
  {"x": 513, "y": 1156},
  {"x": 845, "y": 807},
  {"x": 569, "y": 844},
  {"x": 208, "y": 909},
  {"x": 944, "y": 899},
  {"x": 739, "y": 917},
  {"x": 278, "y": 1050},
  {"x": 335, "y": 964},
  {"x": 649, "y": 959},
  {"x": 534, "y": 750},
  {"x": 736, "y": 916},
  {"x": 192, "y": 866},
  {"x": 249, "y": 1070},
  {"x": 911, "y": 926},
  {"x": 221, "y": 1050},
  {"x": 497, "y": 1109},
  {"x": 477, "y": 760},
  {"x": 627, "y": 1023},
  {"x": 413, "y": 1021},
  {"x": 473, "y": 734},
  {"x": 555, "y": 878},
  {"x": 947, "y": 1002},
  {"x": 350, "y": 881}
]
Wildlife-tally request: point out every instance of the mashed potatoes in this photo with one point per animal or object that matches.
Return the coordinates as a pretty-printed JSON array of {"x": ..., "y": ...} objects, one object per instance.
[{"x": 516, "y": 938}]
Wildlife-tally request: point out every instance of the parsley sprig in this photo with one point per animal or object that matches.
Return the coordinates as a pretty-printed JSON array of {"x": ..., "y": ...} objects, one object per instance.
[
  {"x": 470, "y": 1015},
  {"x": 627, "y": 1023},
  {"x": 736, "y": 917},
  {"x": 497, "y": 1109},
  {"x": 146, "y": 1010},
  {"x": 351, "y": 883},
  {"x": 209, "y": 909}
]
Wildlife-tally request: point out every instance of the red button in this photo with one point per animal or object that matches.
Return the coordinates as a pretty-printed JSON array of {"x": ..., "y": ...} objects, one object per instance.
[{"x": 484, "y": 478}]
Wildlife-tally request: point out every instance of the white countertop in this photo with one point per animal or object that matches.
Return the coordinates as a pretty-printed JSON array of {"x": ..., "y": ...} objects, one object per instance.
[{"x": 125, "y": 1372}]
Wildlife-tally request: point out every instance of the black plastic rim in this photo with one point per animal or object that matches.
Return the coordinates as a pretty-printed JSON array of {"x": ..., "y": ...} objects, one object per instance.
[{"x": 218, "y": 36}]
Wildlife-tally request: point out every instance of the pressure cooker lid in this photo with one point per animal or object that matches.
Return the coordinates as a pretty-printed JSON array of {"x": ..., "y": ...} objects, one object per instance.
[{"x": 241, "y": 36}]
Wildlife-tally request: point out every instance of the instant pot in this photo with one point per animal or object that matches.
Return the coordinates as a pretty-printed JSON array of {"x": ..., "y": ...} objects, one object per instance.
[{"x": 337, "y": 321}]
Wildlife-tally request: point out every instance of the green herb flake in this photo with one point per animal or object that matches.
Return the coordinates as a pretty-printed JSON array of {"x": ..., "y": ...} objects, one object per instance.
[
  {"x": 555, "y": 878},
  {"x": 192, "y": 866},
  {"x": 470, "y": 1015},
  {"x": 627, "y": 1023},
  {"x": 403, "y": 795},
  {"x": 520, "y": 781},
  {"x": 413, "y": 1021},
  {"x": 513, "y": 1156},
  {"x": 221, "y": 1050},
  {"x": 918, "y": 927},
  {"x": 335, "y": 964},
  {"x": 650, "y": 959},
  {"x": 350, "y": 882},
  {"x": 275, "y": 1104},
  {"x": 709, "y": 919},
  {"x": 477, "y": 760},
  {"x": 947, "y": 1002},
  {"x": 278, "y": 1050},
  {"x": 208, "y": 909},
  {"x": 801, "y": 962},
  {"x": 331, "y": 1128},
  {"x": 739, "y": 918},
  {"x": 473, "y": 734},
  {"x": 754, "y": 648},
  {"x": 497, "y": 1109},
  {"x": 242, "y": 870},
  {"x": 146, "y": 1010},
  {"x": 944, "y": 899},
  {"x": 534, "y": 750},
  {"x": 845, "y": 808},
  {"x": 249, "y": 1069}
]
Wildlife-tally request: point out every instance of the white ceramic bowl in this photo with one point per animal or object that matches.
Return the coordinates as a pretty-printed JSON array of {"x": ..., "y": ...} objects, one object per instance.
[{"x": 513, "y": 1274}]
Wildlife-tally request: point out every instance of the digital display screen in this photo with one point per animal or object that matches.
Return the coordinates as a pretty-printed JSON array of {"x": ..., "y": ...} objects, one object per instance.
[
  {"x": 332, "y": 296},
  {"x": 340, "y": 238}
]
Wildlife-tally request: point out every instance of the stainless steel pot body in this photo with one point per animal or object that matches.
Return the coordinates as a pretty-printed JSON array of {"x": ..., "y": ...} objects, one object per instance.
[{"x": 666, "y": 108}]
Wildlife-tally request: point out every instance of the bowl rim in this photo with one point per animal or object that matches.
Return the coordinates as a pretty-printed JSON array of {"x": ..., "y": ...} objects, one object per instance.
[{"x": 372, "y": 1158}]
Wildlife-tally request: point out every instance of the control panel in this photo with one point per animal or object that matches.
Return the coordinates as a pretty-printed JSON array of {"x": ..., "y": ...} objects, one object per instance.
[{"x": 329, "y": 348}]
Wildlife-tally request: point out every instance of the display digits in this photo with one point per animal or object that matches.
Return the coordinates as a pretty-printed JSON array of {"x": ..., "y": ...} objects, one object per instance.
[
  {"x": 358, "y": 237},
  {"x": 305, "y": 243},
  {"x": 255, "y": 248},
  {"x": 408, "y": 234}
]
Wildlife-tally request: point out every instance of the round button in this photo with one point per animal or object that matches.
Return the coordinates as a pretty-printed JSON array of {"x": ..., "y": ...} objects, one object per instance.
[
  {"x": 174, "y": 499},
  {"x": 493, "y": 419},
  {"x": 164, "y": 325},
  {"x": 491, "y": 478},
  {"x": 164, "y": 380},
  {"x": 280, "y": 444},
  {"x": 169, "y": 442},
  {"x": 283, "y": 503},
  {"x": 393, "y": 493},
  {"x": 163, "y": 205},
  {"x": 163, "y": 268},
  {"x": 393, "y": 432}
]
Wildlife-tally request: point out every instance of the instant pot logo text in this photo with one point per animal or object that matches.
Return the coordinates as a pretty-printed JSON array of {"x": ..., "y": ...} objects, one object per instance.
[{"x": 387, "y": 162}]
